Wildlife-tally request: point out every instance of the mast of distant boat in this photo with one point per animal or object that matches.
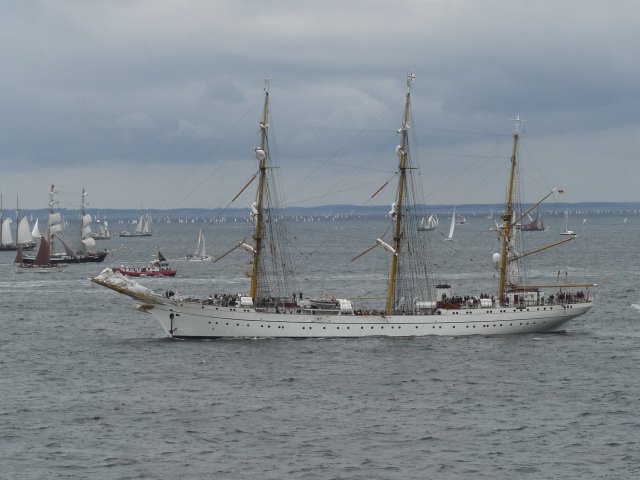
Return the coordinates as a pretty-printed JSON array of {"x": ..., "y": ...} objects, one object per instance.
[
  {"x": 257, "y": 209},
  {"x": 507, "y": 216},
  {"x": 49, "y": 220},
  {"x": 396, "y": 212}
]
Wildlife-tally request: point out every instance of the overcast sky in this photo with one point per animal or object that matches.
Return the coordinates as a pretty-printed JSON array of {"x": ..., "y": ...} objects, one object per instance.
[{"x": 155, "y": 103}]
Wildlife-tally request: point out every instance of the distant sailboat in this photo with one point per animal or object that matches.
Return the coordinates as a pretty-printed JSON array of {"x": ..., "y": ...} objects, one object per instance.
[
  {"x": 201, "y": 250},
  {"x": 567, "y": 232},
  {"x": 430, "y": 225},
  {"x": 453, "y": 225},
  {"x": 23, "y": 238},
  {"x": 103, "y": 230},
  {"x": 143, "y": 227},
  {"x": 534, "y": 225},
  {"x": 41, "y": 263}
]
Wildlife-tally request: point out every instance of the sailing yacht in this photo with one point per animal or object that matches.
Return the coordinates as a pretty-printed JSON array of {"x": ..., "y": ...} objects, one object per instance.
[
  {"x": 23, "y": 240},
  {"x": 430, "y": 225},
  {"x": 452, "y": 226},
  {"x": 143, "y": 227},
  {"x": 567, "y": 232},
  {"x": 412, "y": 308},
  {"x": 200, "y": 254}
]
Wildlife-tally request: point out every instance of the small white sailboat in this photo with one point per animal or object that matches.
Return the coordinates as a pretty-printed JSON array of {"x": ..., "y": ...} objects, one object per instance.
[
  {"x": 200, "y": 254},
  {"x": 430, "y": 225},
  {"x": 567, "y": 232},
  {"x": 143, "y": 227},
  {"x": 453, "y": 225}
]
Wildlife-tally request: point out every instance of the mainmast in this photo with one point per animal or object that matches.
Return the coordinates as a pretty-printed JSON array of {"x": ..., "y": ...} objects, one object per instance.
[
  {"x": 82, "y": 214},
  {"x": 257, "y": 207},
  {"x": 507, "y": 216},
  {"x": 17, "y": 219},
  {"x": 396, "y": 210},
  {"x": 50, "y": 219}
]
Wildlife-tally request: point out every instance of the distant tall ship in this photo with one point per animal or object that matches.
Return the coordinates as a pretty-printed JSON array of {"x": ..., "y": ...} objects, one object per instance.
[
  {"x": 86, "y": 253},
  {"x": 534, "y": 224},
  {"x": 412, "y": 307}
]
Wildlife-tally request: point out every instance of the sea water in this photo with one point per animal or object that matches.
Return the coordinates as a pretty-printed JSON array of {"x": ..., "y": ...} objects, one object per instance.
[{"x": 91, "y": 388}]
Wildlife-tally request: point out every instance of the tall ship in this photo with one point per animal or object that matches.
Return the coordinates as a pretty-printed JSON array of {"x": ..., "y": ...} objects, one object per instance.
[
  {"x": 86, "y": 253},
  {"x": 533, "y": 224},
  {"x": 413, "y": 305}
]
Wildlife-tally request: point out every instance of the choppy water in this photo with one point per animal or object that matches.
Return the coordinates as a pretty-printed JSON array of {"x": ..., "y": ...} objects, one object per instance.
[{"x": 91, "y": 389}]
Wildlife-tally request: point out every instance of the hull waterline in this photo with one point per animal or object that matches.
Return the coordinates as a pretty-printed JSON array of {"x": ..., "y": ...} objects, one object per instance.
[{"x": 183, "y": 320}]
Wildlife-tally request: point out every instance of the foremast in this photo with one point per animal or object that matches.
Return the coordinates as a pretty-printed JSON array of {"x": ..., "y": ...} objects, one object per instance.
[
  {"x": 396, "y": 210},
  {"x": 52, "y": 220},
  {"x": 506, "y": 232},
  {"x": 258, "y": 206}
]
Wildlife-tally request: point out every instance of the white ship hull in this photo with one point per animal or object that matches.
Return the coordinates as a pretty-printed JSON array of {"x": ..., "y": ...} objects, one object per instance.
[{"x": 193, "y": 320}]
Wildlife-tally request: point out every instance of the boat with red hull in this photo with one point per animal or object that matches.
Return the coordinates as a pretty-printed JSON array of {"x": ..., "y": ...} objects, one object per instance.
[{"x": 158, "y": 267}]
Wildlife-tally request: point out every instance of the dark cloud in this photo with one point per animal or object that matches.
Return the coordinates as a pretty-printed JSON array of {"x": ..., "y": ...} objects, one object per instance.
[{"x": 92, "y": 90}]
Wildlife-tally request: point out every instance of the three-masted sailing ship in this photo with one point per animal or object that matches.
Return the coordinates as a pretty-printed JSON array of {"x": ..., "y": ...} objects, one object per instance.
[
  {"x": 86, "y": 253},
  {"x": 413, "y": 306}
]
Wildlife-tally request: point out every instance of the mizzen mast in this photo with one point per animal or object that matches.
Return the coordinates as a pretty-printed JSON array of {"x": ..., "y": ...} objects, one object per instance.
[
  {"x": 396, "y": 209},
  {"x": 507, "y": 217},
  {"x": 257, "y": 209}
]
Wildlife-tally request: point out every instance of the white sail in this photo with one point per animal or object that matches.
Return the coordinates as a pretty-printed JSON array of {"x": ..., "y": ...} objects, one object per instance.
[
  {"x": 86, "y": 226},
  {"x": 24, "y": 232},
  {"x": 55, "y": 223},
  {"x": 7, "y": 238},
  {"x": 201, "y": 249},
  {"x": 147, "y": 225},
  {"x": 89, "y": 243},
  {"x": 140, "y": 224},
  {"x": 453, "y": 225},
  {"x": 35, "y": 233}
]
